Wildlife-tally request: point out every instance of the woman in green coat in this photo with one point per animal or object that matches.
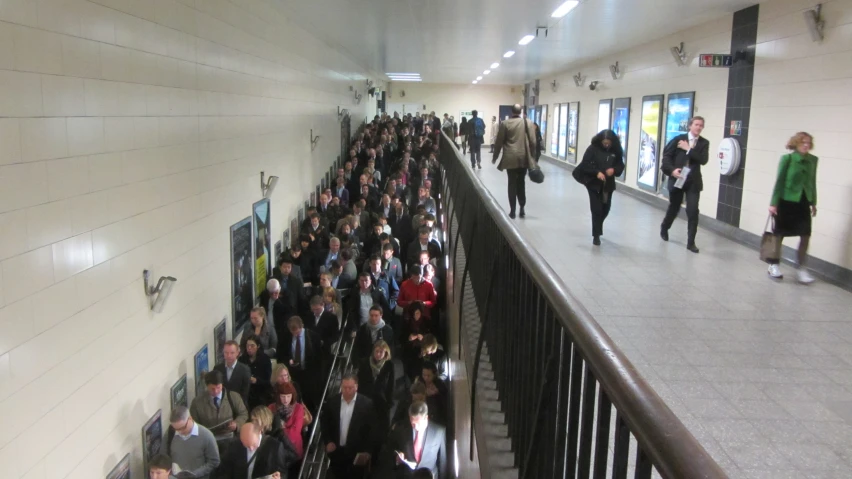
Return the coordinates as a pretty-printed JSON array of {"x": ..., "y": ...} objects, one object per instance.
[{"x": 794, "y": 200}]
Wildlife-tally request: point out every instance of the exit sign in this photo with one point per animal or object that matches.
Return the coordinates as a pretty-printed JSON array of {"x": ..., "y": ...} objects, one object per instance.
[{"x": 715, "y": 60}]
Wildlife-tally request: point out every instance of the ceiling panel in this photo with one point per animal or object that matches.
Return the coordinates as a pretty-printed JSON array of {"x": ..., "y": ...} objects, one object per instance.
[{"x": 453, "y": 41}]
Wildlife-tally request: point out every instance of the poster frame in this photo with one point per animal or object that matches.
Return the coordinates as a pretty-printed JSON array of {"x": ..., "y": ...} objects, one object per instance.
[
  {"x": 239, "y": 318},
  {"x": 647, "y": 99}
]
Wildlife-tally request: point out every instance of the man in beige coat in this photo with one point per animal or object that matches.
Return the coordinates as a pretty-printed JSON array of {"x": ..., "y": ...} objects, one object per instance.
[{"x": 516, "y": 139}]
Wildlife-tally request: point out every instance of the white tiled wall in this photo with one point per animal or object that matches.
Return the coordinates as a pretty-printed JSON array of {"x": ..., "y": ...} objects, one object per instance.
[
  {"x": 801, "y": 85},
  {"x": 649, "y": 69},
  {"x": 132, "y": 135}
]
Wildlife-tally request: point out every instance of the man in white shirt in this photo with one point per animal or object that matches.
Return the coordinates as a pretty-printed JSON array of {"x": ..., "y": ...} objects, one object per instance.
[{"x": 348, "y": 428}]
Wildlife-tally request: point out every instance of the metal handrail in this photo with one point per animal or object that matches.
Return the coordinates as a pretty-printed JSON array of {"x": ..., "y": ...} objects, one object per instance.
[{"x": 669, "y": 445}]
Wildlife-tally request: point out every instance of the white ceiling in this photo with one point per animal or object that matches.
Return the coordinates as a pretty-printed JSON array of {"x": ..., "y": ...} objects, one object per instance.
[{"x": 453, "y": 41}]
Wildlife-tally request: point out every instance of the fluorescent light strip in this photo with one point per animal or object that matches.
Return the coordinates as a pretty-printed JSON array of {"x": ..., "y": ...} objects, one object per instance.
[
  {"x": 407, "y": 79},
  {"x": 486, "y": 72},
  {"x": 563, "y": 9},
  {"x": 509, "y": 54},
  {"x": 494, "y": 65},
  {"x": 526, "y": 39},
  {"x": 479, "y": 78},
  {"x": 475, "y": 82},
  {"x": 402, "y": 74}
]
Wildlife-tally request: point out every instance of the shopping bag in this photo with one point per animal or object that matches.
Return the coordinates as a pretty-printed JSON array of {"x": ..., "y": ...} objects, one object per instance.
[{"x": 770, "y": 243}]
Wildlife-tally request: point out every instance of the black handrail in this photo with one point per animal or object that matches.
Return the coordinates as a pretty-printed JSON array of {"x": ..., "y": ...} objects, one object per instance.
[{"x": 533, "y": 296}]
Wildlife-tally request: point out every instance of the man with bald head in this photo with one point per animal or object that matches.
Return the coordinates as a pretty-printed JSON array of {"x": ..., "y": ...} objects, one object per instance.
[
  {"x": 256, "y": 455},
  {"x": 516, "y": 140}
]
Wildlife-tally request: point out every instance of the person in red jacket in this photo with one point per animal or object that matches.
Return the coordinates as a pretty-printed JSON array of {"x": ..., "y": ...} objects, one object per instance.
[{"x": 415, "y": 288}]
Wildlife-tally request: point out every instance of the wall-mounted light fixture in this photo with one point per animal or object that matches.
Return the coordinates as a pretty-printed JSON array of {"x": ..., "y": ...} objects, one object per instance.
[
  {"x": 342, "y": 113},
  {"x": 267, "y": 185},
  {"x": 579, "y": 79},
  {"x": 314, "y": 140},
  {"x": 535, "y": 90},
  {"x": 357, "y": 98},
  {"x": 158, "y": 295},
  {"x": 615, "y": 71},
  {"x": 679, "y": 55},
  {"x": 815, "y": 22},
  {"x": 554, "y": 86},
  {"x": 369, "y": 84}
]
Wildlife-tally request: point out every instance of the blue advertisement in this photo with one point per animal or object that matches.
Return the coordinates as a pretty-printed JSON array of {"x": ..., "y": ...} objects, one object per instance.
[
  {"x": 621, "y": 125},
  {"x": 679, "y": 113},
  {"x": 201, "y": 366}
]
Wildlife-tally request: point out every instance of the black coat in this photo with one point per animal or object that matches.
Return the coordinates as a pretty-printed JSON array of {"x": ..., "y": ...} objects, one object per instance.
[
  {"x": 379, "y": 388},
  {"x": 362, "y": 434},
  {"x": 272, "y": 456},
  {"x": 352, "y": 307},
  {"x": 261, "y": 371},
  {"x": 674, "y": 158},
  {"x": 240, "y": 381},
  {"x": 598, "y": 160},
  {"x": 293, "y": 294},
  {"x": 363, "y": 345},
  {"x": 327, "y": 327},
  {"x": 312, "y": 352}
]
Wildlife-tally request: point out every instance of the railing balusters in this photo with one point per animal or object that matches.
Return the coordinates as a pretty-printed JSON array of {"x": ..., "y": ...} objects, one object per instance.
[
  {"x": 574, "y": 409},
  {"x": 602, "y": 435},
  {"x": 585, "y": 455},
  {"x": 621, "y": 448},
  {"x": 643, "y": 465}
]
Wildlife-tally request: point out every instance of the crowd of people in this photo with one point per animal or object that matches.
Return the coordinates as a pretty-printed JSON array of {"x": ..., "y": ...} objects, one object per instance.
[{"x": 366, "y": 268}]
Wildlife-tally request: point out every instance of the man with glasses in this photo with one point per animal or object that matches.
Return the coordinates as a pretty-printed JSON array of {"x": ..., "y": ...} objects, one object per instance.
[{"x": 191, "y": 445}]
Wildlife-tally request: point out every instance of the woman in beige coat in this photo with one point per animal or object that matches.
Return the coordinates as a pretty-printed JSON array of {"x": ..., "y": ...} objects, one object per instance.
[{"x": 516, "y": 139}]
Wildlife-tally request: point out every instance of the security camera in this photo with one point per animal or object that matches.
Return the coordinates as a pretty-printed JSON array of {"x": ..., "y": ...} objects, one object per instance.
[{"x": 593, "y": 85}]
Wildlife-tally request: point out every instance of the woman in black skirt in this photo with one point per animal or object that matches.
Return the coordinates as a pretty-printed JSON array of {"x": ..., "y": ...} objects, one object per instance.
[
  {"x": 794, "y": 200},
  {"x": 602, "y": 163}
]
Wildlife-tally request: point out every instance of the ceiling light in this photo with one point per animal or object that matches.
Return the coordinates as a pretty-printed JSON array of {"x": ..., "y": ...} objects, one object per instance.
[
  {"x": 526, "y": 39},
  {"x": 563, "y": 9},
  {"x": 479, "y": 78},
  {"x": 509, "y": 54},
  {"x": 415, "y": 77},
  {"x": 475, "y": 82},
  {"x": 494, "y": 65},
  {"x": 486, "y": 72},
  {"x": 407, "y": 79}
]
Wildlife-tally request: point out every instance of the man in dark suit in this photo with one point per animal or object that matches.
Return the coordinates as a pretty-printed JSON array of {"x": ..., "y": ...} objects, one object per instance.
[
  {"x": 301, "y": 350},
  {"x": 292, "y": 288},
  {"x": 324, "y": 323},
  {"x": 420, "y": 443},
  {"x": 392, "y": 265},
  {"x": 255, "y": 455},
  {"x": 348, "y": 428},
  {"x": 237, "y": 375},
  {"x": 683, "y": 158},
  {"x": 370, "y": 332},
  {"x": 277, "y": 307},
  {"x": 423, "y": 243},
  {"x": 359, "y": 300}
]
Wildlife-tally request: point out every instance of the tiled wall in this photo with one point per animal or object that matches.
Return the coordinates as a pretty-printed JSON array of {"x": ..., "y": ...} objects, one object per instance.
[
  {"x": 132, "y": 135},
  {"x": 649, "y": 69},
  {"x": 803, "y": 85},
  {"x": 738, "y": 108}
]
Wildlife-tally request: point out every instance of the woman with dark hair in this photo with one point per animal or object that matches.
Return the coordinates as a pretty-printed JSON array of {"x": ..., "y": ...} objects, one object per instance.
[
  {"x": 463, "y": 134},
  {"x": 793, "y": 202},
  {"x": 261, "y": 371},
  {"x": 602, "y": 162},
  {"x": 436, "y": 391},
  {"x": 414, "y": 327}
]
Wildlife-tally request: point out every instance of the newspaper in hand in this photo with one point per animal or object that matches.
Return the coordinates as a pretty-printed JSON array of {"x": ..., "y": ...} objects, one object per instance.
[
  {"x": 684, "y": 173},
  {"x": 180, "y": 473}
]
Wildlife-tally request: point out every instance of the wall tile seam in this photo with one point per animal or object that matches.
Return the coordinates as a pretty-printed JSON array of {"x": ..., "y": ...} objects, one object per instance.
[
  {"x": 108, "y": 365},
  {"x": 196, "y": 62},
  {"x": 270, "y": 45},
  {"x": 767, "y": 60}
]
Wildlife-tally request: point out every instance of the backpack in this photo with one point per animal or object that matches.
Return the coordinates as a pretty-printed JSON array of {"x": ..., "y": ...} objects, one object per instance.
[{"x": 479, "y": 127}]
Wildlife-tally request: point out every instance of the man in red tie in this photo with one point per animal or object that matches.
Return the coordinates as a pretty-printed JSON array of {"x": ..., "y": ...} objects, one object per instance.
[{"x": 419, "y": 444}]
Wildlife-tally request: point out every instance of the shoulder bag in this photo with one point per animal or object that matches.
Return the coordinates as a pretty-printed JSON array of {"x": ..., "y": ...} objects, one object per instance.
[{"x": 536, "y": 175}]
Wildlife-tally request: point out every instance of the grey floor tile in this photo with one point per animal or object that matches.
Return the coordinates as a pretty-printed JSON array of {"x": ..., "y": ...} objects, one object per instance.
[{"x": 734, "y": 349}]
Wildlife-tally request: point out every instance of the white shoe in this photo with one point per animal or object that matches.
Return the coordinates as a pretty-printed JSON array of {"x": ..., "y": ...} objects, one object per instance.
[
  {"x": 774, "y": 272},
  {"x": 804, "y": 277}
]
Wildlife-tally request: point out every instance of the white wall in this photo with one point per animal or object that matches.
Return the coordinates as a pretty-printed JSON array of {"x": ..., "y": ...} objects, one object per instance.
[
  {"x": 132, "y": 135},
  {"x": 649, "y": 69},
  {"x": 803, "y": 85},
  {"x": 452, "y": 99}
]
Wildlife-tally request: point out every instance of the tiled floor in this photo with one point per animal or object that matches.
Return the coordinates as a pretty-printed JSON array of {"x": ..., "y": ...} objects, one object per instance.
[{"x": 760, "y": 371}]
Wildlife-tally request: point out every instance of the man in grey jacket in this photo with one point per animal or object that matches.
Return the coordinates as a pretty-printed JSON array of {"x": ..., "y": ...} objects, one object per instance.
[
  {"x": 191, "y": 445},
  {"x": 516, "y": 139}
]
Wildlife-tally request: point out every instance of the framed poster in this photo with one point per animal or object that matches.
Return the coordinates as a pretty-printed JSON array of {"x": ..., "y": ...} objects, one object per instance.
[
  {"x": 573, "y": 130},
  {"x": 121, "y": 470},
  {"x": 323, "y": 182},
  {"x": 621, "y": 126},
  {"x": 649, "y": 143},
  {"x": 288, "y": 241},
  {"x": 604, "y": 115},
  {"x": 178, "y": 393},
  {"x": 242, "y": 273},
  {"x": 220, "y": 335},
  {"x": 312, "y": 201},
  {"x": 278, "y": 251},
  {"x": 152, "y": 437},
  {"x": 679, "y": 107},
  {"x": 554, "y": 135},
  {"x": 563, "y": 130},
  {"x": 202, "y": 365},
  {"x": 318, "y": 192},
  {"x": 301, "y": 217},
  {"x": 543, "y": 124},
  {"x": 262, "y": 240}
]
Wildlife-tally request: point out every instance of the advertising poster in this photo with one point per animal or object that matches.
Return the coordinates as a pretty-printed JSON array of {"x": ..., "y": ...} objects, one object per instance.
[
  {"x": 242, "y": 273},
  {"x": 604, "y": 115},
  {"x": 220, "y": 335},
  {"x": 554, "y": 135},
  {"x": 543, "y": 124},
  {"x": 649, "y": 143},
  {"x": 178, "y": 393},
  {"x": 573, "y": 130},
  {"x": 563, "y": 130},
  {"x": 152, "y": 437},
  {"x": 202, "y": 365},
  {"x": 621, "y": 125},
  {"x": 679, "y": 108},
  {"x": 262, "y": 240},
  {"x": 121, "y": 470},
  {"x": 278, "y": 250},
  {"x": 288, "y": 240}
]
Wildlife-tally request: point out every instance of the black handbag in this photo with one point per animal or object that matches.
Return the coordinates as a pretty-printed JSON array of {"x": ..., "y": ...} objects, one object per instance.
[{"x": 536, "y": 175}]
